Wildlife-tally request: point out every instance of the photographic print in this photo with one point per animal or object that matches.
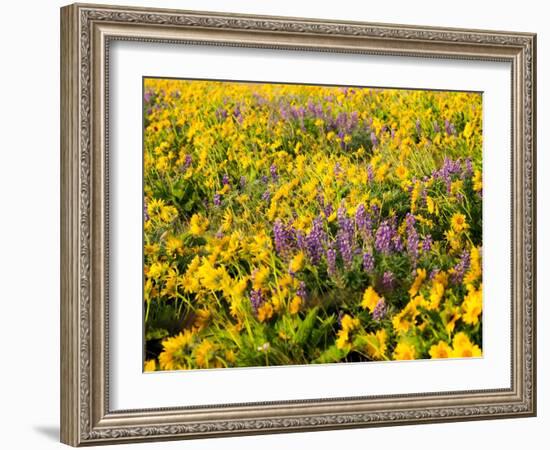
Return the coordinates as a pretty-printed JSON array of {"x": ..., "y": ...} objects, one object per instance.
[
  {"x": 294, "y": 224},
  {"x": 226, "y": 222}
]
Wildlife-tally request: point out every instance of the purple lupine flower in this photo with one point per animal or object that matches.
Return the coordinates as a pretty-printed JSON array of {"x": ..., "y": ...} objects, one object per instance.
[
  {"x": 314, "y": 241},
  {"x": 327, "y": 210},
  {"x": 265, "y": 179},
  {"x": 188, "y": 161},
  {"x": 363, "y": 221},
  {"x": 437, "y": 129},
  {"x": 337, "y": 169},
  {"x": 273, "y": 171},
  {"x": 383, "y": 238},
  {"x": 370, "y": 173},
  {"x": 225, "y": 179},
  {"x": 380, "y": 310},
  {"x": 221, "y": 114},
  {"x": 342, "y": 135},
  {"x": 446, "y": 171},
  {"x": 397, "y": 243},
  {"x": 256, "y": 299},
  {"x": 449, "y": 128},
  {"x": 219, "y": 235},
  {"x": 242, "y": 182},
  {"x": 331, "y": 260},
  {"x": 284, "y": 238},
  {"x": 388, "y": 280},
  {"x": 279, "y": 237},
  {"x": 145, "y": 212},
  {"x": 237, "y": 114},
  {"x": 321, "y": 200},
  {"x": 147, "y": 96},
  {"x": 300, "y": 240},
  {"x": 217, "y": 199},
  {"x": 427, "y": 243},
  {"x": 266, "y": 196},
  {"x": 418, "y": 127},
  {"x": 461, "y": 267},
  {"x": 345, "y": 247},
  {"x": 344, "y": 237},
  {"x": 392, "y": 133},
  {"x": 412, "y": 238},
  {"x": 344, "y": 222},
  {"x": 302, "y": 291},
  {"x": 468, "y": 170},
  {"x": 368, "y": 262},
  {"x": 373, "y": 139}
]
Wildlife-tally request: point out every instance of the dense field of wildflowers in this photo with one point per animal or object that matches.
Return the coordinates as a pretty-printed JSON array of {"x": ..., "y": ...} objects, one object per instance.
[{"x": 292, "y": 224}]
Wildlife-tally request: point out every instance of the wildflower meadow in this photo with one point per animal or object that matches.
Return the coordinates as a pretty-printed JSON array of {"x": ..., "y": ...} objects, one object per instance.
[{"x": 295, "y": 224}]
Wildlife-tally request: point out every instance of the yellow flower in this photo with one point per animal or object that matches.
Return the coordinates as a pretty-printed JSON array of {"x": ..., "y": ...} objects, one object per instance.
[
  {"x": 420, "y": 277},
  {"x": 436, "y": 294},
  {"x": 441, "y": 350},
  {"x": 432, "y": 206},
  {"x": 198, "y": 224},
  {"x": 370, "y": 299},
  {"x": 236, "y": 288},
  {"x": 458, "y": 222},
  {"x": 174, "y": 245},
  {"x": 376, "y": 344},
  {"x": 381, "y": 172},
  {"x": 156, "y": 270},
  {"x": 453, "y": 239},
  {"x": 450, "y": 316},
  {"x": 265, "y": 312},
  {"x": 286, "y": 280},
  {"x": 168, "y": 213},
  {"x": 214, "y": 279},
  {"x": 478, "y": 184},
  {"x": 475, "y": 267},
  {"x": 205, "y": 355},
  {"x": 150, "y": 365},
  {"x": 227, "y": 220},
  {"x": 230, "y": 356},
  {"x": 151, "y": 249},
  {"x": 348, "y": 324},
  {"x": 154, "y": 207},
  {"x": 295, "y": 304},
  {"x": 175, "y": 351},
  {"x": 415, "y": 194},
  {"x": 297, "y": 262},
  {"x": 202, "y": 317},
  {"x": 260, "y": 276},
  {"x": 401, "y": 172},
  {"x": 471, "y": 307},
  {"x": 463, "y": 347},
  {"x": 406, "y": 318},
  {"x": 404, "y": 351}
]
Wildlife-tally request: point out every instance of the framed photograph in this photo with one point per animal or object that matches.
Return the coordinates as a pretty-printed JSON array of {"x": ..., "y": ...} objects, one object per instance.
[{"x": 279, "y": 224}]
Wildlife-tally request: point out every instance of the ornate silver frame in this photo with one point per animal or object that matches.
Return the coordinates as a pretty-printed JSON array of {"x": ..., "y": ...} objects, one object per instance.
[{"x": 86, "y": 31}]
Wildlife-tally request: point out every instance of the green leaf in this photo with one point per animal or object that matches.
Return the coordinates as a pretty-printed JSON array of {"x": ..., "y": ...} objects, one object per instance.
[
  {"x": 331, "y": 355},
  {"x": 156, "y": 334},
  {"x": 305, "y": 328}
]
